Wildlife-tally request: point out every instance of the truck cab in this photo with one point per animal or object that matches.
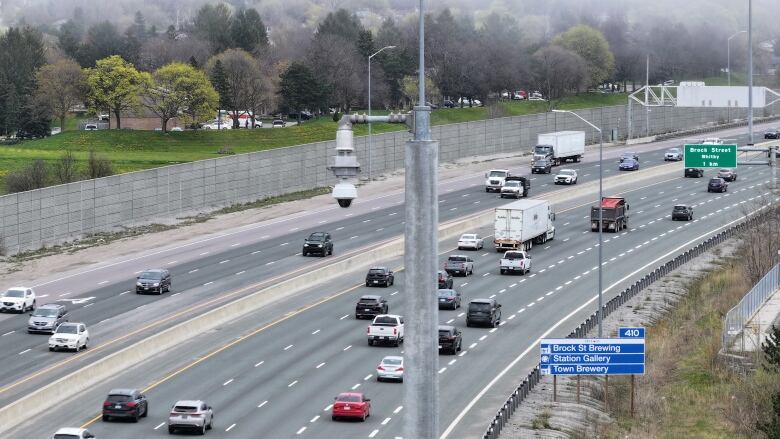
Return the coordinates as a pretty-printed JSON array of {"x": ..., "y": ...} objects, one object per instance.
[{"x": 494, "y": 179}]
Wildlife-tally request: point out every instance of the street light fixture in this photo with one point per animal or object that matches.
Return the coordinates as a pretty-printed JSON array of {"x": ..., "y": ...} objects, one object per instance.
[
  {"x": 601, "y": 211},
  {"x": 728, "y": 54},
  {"x": 369, "y": 106}
]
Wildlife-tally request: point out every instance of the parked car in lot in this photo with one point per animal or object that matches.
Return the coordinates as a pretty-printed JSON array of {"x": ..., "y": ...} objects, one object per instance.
[
  {"x": 694, "y": 172},
  {"x": 727, "y": 174},
  {"x": 71, "y": 336},
  {"x": 47, "y": 318},
  {"x": 459, "y": 265},
  {"x": 189, "y": 415},
  {"x": 673, "y": 155},
  {"x": 471, "y": 241},
  {"x": 391, "y": 368},
  {"x": 370, "y": 306},
  {"x": 153, "y": 280},
  {"x": 450, "y": 339},
  {"x": 17, "y": 299},
  {"x": 772, "y": 133},
  {"x": 449, "y": 299},
  {"x": 448, "y": 104},
  {"x": 73, "y": 433},
  {"x": 483, "y": 312},
  {"x": 318, "y": 243},
  {"x": 278, "y": 123},
  {"x": 445, "y": 279},
  {"x": 565, "y": 176},
  {"x": 629, "y": 165},
  {"x": 682, "y": 212},
  {"x": 90, "y": 127},
  {"x": 214, "y": 125},
  {"x": 379, "y": 276},
  {"x": 351, "y": 405},
  {"x": 717, "y": 185},
  {"x": 125, "y": 403}
]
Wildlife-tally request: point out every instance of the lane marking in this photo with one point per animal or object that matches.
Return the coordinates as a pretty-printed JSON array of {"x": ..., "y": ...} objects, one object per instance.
[
  {"x": 292, "y": 383},
  {"x": 314, "y": 419},
  {"x": 262, "y": 404},
  {"x": 259, "y": 364},
  {"x": 230, "y": 428},
  {"x": 227, "y": 382}
]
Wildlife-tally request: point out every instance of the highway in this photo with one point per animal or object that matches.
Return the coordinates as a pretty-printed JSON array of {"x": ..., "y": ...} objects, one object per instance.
[{"x": 292, "y": 369}]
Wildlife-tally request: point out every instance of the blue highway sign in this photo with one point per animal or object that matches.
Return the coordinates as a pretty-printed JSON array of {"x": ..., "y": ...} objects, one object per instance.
[
  {"x": 605, "y": 356},
  {"x": 631, "y": 332}
]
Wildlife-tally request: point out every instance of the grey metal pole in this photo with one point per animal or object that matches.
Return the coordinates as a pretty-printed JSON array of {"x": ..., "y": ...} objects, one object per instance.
[
  {"x": 370, "y": 138},
  {"x": 728, "y": 59},
  {"x": 421, "y": 383},
  {"x": 647, "y": 100},
  {"x": 750, "y": 72}
]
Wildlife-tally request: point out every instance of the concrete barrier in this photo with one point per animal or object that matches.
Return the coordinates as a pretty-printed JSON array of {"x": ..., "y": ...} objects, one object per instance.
[{"x": 47, "y": 396}]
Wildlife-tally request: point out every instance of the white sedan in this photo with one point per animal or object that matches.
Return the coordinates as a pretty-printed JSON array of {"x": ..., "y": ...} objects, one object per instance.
[
  {"x": 17, "y": 299},
  {"x": 470, "y": 240},
  {"x": 390, "y": 368},
  {"x": 566, "y": 176},
  {"x": 73, "y": 433},
  {"x": 73, "y": 336}
]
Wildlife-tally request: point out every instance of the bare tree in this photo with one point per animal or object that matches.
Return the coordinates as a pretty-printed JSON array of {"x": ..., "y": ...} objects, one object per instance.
[
  {"x": 336, "y": 60},
  {"x": 61, "y": 86},
  {"x": 557, "y": 72},
  {"x": 99, "y": 166},
  {"x": 28, "y": 178},
  {"x": 762, "y": 242},
  {"x": 65, "y": 168},
  {"x": 240, "y": 71}
]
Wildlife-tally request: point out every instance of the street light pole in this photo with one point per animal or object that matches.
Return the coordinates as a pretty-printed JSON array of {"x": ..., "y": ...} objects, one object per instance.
[
  {"x": 728, "y": 54},
  {"x": 750, "y": 72},
  {"x": 601, "y": 211},
  {"x": 370, "y": 138}
]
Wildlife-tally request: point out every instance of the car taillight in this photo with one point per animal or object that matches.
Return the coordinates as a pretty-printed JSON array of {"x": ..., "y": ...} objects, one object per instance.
[
  {"x": 131, "y": 404},
  {"x": 380, "y": 368},
  {"x": 400, "y": 369},
  {"x": 394, "y": 331},
  {"x": 368, "y": 330},
  {"x": 196, "y": 415},
  {"x": 106, "y": 403}
]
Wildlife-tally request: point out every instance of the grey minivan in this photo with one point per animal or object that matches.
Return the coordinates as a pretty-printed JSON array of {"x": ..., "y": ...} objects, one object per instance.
[{"x": 47, "y": 318}]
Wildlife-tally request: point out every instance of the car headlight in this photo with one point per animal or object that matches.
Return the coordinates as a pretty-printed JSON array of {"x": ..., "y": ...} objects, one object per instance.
[
  {"x": 319, "y": 245},
  {"x": 138, "y": 284},
  {"x": 156, "y": 284}
]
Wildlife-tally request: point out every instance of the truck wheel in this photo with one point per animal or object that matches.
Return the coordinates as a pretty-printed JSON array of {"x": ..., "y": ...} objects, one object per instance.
[
  {"x": 487, "y": 190},
  {"x": 503, "y": 271}
]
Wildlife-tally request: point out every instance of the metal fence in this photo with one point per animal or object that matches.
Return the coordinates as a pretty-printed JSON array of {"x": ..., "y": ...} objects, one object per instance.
[
  {"x": 521, "y": 392},
  {"x": 737, "y": 318}
]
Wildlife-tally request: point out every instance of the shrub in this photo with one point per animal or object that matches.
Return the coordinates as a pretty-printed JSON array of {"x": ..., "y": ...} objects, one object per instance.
[
  {"x": 26, "y": 179},
  {"x": 99, "y": 166},
  {"x": 65, "y": 168}
]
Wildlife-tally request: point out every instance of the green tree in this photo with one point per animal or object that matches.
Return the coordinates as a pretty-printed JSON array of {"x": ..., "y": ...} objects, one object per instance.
[
  {"x": 341, "y": 23},
  {"x": 558, "y": 71},
  {"x": 771, "y": 426},
  {"x": 102, "y": 40},
  {"x": 771, "y": 348},
  {"x": 138, "y": 28},
  {"x": 69, "y": 37},
  {"x": 247, "y": 30},
  {"x": 395, "y": 63},
  {"x": 300, "y": 89},
  {"x": 219, "y": 81},
  {"x": 241, "y": 70},
  {"x": 61, "y": 86},
  {"x": 591, "y": 45},
  {"x": 410, "y": 88},
  {"x": 179, "y": 88},
  {"x": 116, "y": 85},
  {"x": 21, "y": 54},
  {"x": 212, "y": 23}
]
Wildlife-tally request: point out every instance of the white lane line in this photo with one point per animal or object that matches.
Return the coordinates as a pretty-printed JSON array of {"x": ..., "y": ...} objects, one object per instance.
[
  {"x": 103, "y": 283},
  {"x": 577, "y": 277},
  {"x": 367, "y": 221},
  {"x": 565, "y": 224},
  {"x": 450, "y": 321},
  {"x": 472, "y": 345},
  {"x": 483, "y": 338},
  {"x": 193, "y": 271},
  {"x": 161, "y": 424},
  {"x": 513, "y": 285},
  {"x": 394, "y": 213},
  {"x": 25, "y": 351},
  {"x": 227, "y": 382},
  {"x": 327, "y": 409},
  {"x": 315, "y": 332},
  {"x": 502, "y": 291},
  {"x": 262, "y": 404},
  {"x": 319, "y": 365},
  {"x": 203, "y": 254},
  {"x": 256, "y": 252},
  {"x": 367, "y": 377},
  {"x": 68, "y": 294},
  {"x": 87, "y": 305},
  {"x": 238, "y": 243},
  {"x": 396, "y": 292},
  {"x": 300, "y": 431},
  {"x": 494, "y": 329},
  {"x": 259, "y": 364},
  {"x": 511, "y": 317},
  {"x": 462, "y": 353},
  {"x": 347, "y": 348},
  {"x": 380, "y": 229},
  {"x": 492, "y": 296},
  {"x": 543, "y": 270},
  {"x": 339, "y": 228},
  {"x": 240, "y": 272},
  {"x": 442, "y": 370},
  {"x": 386, "y": 421},
  {"x": 7, "y": 333},
  {"x": 486, "y": 274},
  {"x": 208, "y": 283},
  {"x": 43, "y": 295},
  {"x": 270, "y": 263},
  {"x": 355, "y": 386},
  {"x": 398, "y": 409},
  {"x": 353, "y": 237},
  {"x": 314, "y": 419},
  {"x": 288, "y": 347},
  {"x": 520, "y": 310},
  {"x": 452, "y": 362},
  {"x": 344, "y": 317},
  {"x": 292, "y": 383},
  {"x": 225, "y": 261},
  {"x": 230, "y": 428},
  {"x": 461, "y": 314}
]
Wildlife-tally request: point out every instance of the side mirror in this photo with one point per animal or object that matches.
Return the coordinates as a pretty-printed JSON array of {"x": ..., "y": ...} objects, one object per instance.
[
  {"x": 138, "y": 277},
  {"x": 486, "y": 175},
  {"x": 628, "y": 207},
  {"x": 335, "y": 398},
  {"x": 367, "y": 399},
  {"x": 498, "y": 305}
]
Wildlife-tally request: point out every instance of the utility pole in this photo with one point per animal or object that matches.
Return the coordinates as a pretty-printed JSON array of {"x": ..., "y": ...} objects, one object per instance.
[
  {"x": 647, "y": 99},
  {"x": 750, "y": 72},
  {"x": 421, "y": 383}
]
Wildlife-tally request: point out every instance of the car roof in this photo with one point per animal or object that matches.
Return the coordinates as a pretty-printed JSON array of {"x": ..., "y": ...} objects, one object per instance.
[
  {"x": 393, "y": 357},
  {"x": 194, "y": 402},
  {"x": 566, "y": 170},
  {"x": 468, "y": 234},
  {"x": 350, "y": 394},
  {"x": 482, "y": 300},
  {"x": 19, "y": 288},
  {"x": 52, "y": 305},
  {"x": 446, "y": 327},
  {"x": 71, "y": 430},
  {"x": 154, "y": 270},
  {"x": 716, "y": 178},
  {"x": 445, "y": 289},
  {"x": 378, "y": 268},
  {"x": 680, "y": 205},
  {"x": 125, "y": 391},
  {"x": 370, "y": 296},
  {"x": 724, "y": 170}
]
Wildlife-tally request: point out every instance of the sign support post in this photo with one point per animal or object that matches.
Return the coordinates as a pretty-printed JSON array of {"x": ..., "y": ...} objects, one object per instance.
[{"x": 632, "y": 396}]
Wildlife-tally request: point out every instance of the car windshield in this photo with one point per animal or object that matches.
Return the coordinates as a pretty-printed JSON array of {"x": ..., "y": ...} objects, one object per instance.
[
  {"x": 368, "y": 300},
  {"x": 348, "y": 398},
  {"x": 673, "y": 151},
  {"x": 725, "y": 171},
  {"x": 45, "y": 312},
  {"x": 543, "y": 148},
  {"x": 540, "y": 163},
  {"x": 512, "y": 184},
  {"x": 457, "y": 259},
  {"x": 185, "y": 409},
  {"x": 392, "y": 361},
  {"x": 444, "y": 333},
  {"x": 446, "y": 293},
  {"x": 385, "y": 321},
  {"x": 566, "y": 172},
  {"x": 715, "y": 181},
  {"x": 468, "y": 237},
  {"x": 628, "y": 161},
  {"x": 67, "y": 329},
  {"x": 65, "y": 436},
  {"x": 497, "y": 174},
  {"x": 479, "y": 306},
  {"x": 153, "y": 275},
  {"x": 376, "y": 271},
  {"x": 680, "y": 208},
  {"x": 629, "y": 154},
  {"x": 14, "y": 293},
  {"x": 514, "y": 255},
  {"x": 317, "y": 237},
  {"x": 119, "y": 398}
]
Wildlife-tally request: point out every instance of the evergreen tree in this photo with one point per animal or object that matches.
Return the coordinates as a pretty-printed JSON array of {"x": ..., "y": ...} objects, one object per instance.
[
  {"x": 247, "y": 30},
  {"x": 771, "y": 348},
  {"x": 193, "y": 62},
  {"x": 220, "y": 83}
]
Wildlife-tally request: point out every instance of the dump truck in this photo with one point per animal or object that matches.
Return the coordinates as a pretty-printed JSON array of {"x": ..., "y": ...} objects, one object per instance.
[{"x": 614, "y": 216}]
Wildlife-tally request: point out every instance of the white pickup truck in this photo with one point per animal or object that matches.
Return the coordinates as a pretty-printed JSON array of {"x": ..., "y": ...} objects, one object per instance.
[
  {"x": 515, "y": 261},
  {"x": 387, "y": 328}
]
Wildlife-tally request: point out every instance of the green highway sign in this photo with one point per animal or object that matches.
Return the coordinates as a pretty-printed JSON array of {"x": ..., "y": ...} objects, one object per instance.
[{"x": 710, "y": 156}]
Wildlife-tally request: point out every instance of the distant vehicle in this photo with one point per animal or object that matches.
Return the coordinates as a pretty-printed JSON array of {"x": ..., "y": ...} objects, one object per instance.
[
  {"x": 104, "y": 117},
  {"x": 629, "y": 165},
  {"x": 459, "y": 265},
  {"x": 56, "y": 130},
  {"x": 194, "y": 416},
  {"x": 318, "y": 243},
  {"x": 483, "y": 312},
  {"x": 73, "y": 336},
  {"x": 391, "y": 368},
  {"x": 712, "y": 141},
  {"x": 125, "y": 403},
  {"x": 351, "y": 405},
  {"x": 717, "y": 185},
  {"x": 614, "y": 215},
  {"x": 673, "y": 155},
  {"x": 371, "y": 306},
  {"x": 519, "y": 95},
  {"x": 565, "y": 176},
  {"x": 73, "y": 433},
  {"x": 628, "y": 156},
  {"x": 465, "y": 102},
  {"x": 515, "y": 261},
  {"x": 523, "y": 223},
  {"x": 449, "y": 299},
  {"x": 153, "y": 280},
  {"x": 304, "y": 115},
  {"x": 450, "y": 339},
  {"x": 445, "y": 279},
  {"x": 17, "y": 299},
  {"x": 90, "y": 127},
  {"x": 377, "y": 276},
  {"x": 694, "y": 172},
  {"x": 494, "y": 179},
  {"x": 448, "y": 104},
  {"x": 47, "y": 318},
  {"x": 772, "y": 133},
  {"x": 214, "y": 125},
  {"x": 515, "y": 187},
  {"x": 471, "y": 241},
  {"x": 560, "y": 146},
  {"x": 176, "y": 129},
  {"x": 682, "y": 212},
  {"x": 541, "y": 166},
  {"x": 727, "y": 174},
  {"x": 388, "y": 328},
  {"x": 278, "y": 123}
]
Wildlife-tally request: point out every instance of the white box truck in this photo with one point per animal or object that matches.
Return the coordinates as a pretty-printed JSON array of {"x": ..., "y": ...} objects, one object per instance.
[
  {"x": 560, "y": 146},
  {"x": 520, "y": 225}
]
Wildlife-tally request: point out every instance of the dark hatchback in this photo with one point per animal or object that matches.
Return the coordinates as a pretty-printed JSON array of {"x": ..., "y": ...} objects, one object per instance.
[
  {"x": 450, "y": 339},
  {"x": 318, "y": 243},
  {"x": 694, "y": 172},
  {"x": 449, "y": 299},
  {"x": 717, "y": 185},
  {"x": 483, "y": 312},
  {"x": 157, "y": 280},
  {"x": 445, "y": 280},
  {"x": 125, "y": 403},
  {"x": 377, "y": 276},
  {"x": 629, "y": 165},
  {"x": 371, "y": 306}
]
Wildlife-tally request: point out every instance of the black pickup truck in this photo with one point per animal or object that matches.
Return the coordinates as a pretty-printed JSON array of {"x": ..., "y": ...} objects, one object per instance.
[{"x": 371, "y": 306}]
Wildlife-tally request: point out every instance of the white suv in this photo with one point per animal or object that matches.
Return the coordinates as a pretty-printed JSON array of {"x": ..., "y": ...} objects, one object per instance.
[
  {"x": 69, "y": 336},
  {"x": 17, "y": 299}
]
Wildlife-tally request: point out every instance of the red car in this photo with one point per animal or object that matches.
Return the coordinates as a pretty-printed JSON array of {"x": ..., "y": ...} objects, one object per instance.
[{"x": 351, "y": 405}]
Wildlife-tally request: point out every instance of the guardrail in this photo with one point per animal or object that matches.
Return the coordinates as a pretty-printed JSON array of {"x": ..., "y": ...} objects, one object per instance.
[
  {"x": 521, "y": 392},
  {"x": 737, "y": 317}
]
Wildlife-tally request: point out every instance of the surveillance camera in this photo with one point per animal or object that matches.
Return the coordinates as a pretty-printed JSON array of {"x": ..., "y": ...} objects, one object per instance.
[{"x": 344, "y": 193}]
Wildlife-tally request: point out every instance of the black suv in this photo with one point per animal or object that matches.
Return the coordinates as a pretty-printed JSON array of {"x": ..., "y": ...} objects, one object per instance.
[
  {"x": 450, "y": 339},
  {"x": 371, "y": 306},
  {"x": 717, "y": 185},
  {"x": 125, "y": 403},
  {"x": 445, "y": 280},
  {"x": 485, "y": 312},
  {"x": 318, "y": 243},
  {"x": 379, "y": 276},
  {"x": 542, "y": 166},
  {"x": 694, "y": 172},
  {"x": 682, "y": 212},
  {"x": 155, "y": 280}
]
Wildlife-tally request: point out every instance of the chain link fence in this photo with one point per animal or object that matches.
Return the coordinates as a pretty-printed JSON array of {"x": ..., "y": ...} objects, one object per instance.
[
  {"x": 736, "y": 320},
  {"x": 521, "y": 392}
]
